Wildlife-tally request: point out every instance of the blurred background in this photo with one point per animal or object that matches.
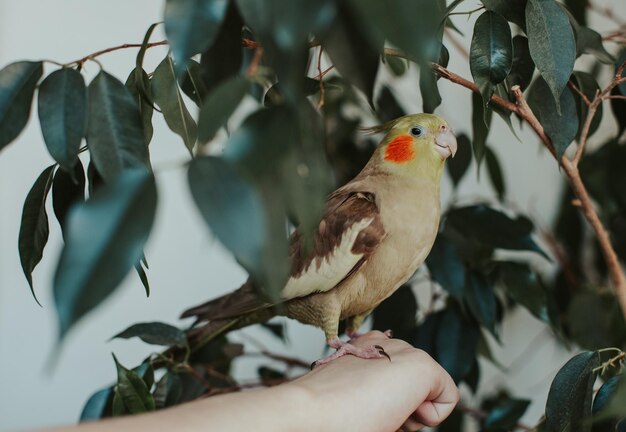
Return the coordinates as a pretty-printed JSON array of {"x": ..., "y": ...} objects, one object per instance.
[{"x": 187, "y": 265}]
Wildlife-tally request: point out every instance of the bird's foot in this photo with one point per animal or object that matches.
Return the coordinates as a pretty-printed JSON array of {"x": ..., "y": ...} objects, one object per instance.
[{"x": 345, "y": 348}]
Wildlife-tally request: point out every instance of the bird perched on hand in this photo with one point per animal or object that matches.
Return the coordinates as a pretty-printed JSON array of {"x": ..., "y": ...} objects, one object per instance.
[{"x": 375, "y": 232}]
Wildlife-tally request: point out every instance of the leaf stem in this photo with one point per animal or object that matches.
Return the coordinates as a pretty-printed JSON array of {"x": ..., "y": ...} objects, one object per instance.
[{"x": 92, "y": 56}]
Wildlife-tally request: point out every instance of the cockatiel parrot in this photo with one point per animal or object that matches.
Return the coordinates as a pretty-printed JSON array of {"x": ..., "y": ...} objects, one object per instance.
[{"x": 375, "y": 232}]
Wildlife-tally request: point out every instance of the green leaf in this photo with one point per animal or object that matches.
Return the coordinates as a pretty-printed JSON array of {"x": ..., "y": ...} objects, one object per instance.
[
  {"x": 618, "y": 106},
  {"x": 568, "y": 407},
  {"x": 398, "y": 66},
  {"x": 232, "y": 209},
  {"x": 105, "y": 238},
  {"x": 506, "y": 415},
  {"x": 275, "y": 95},
  {"x": 167, "y": 95},
  {"x": 512, "y": 10},
  {"x": 347, "y": 46},
  {"x": 142, "y": 94},
  {"x": 588, "y": 86},
  {"x": 397, "y": 313},
  {"x": 145, "y": 372},
  {"x": 168, "y": 391},
  {"x": 551, "y": 43},
  {"x": 155, "y": 333},
  {"x": 98, "y": 405},
  {"x": 63, "y": 115},
  {"x": 191, "y": 83},
  {"x": 192, "y": 26},
  {"x": 388, "y": 107},
  {"x": 481, "y": 300},
  {"x": 66, "y": 192},
  {"x": 495, "y": 173},
  {"x": 114, "y": 131},
  {"x": 132, "y": 391},
  {"x": 143, "y": 277},
  {"x": 578, "y": 8},
  {"x": 17, "y": 86},
  {"x": 34, "y": 228},
  {"x": 523, "y": 65},
  {"x": 224, "y": 58},
  {"x": 219, "y": 106},
  {"x": 446, "y": 267},
  {"x": 458, "y": 165},
  {"x": 456, "y": 341},
  {"x": 491, "y": 53},
  {"x": 524, "y": 287},
  {"x": 620, "y": 61},
  {"x": 428, "y": 88},
  {"x": 481, "y": 121},
  {"x": 589, "y": 41},
  {"x": 615, "y": 405},
  {"x": 560, "y": 124}
]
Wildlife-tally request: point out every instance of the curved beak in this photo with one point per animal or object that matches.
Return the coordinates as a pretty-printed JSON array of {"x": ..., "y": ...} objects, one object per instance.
[{"x": 445, "y": 143}]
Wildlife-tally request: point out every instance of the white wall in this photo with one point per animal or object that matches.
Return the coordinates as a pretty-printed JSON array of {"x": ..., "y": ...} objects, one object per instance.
[{"x": 186, "y": 265}]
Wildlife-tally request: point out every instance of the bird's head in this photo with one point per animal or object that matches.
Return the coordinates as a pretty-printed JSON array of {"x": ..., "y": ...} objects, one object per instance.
[{"x": 416, "y": 144}]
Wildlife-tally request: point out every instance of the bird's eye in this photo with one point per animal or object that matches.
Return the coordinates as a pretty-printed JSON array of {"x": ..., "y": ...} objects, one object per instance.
[{"x": 417, "y": 131}]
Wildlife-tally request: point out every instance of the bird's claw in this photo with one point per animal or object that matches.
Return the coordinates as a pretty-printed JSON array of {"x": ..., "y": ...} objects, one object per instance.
[{"x": 382, "y": 351}]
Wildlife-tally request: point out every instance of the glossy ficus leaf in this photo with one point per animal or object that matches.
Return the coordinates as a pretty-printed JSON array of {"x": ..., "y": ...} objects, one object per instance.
[
  {"x": 481, "y": 122},
  {"x": 132, "y": 392},
  {"x": 495, "y": 173},
  {"x": 63, "y": 115},
  {"x": 589, "y": 41},
  {"x": 220, "y": 104},
  {"x": 98, "y": 405},
  {"x": 491, "y": 53},
  {"x": 191, "y": 83},
  {"x": 347, "y": 45},
  {"x": 431, "y": 98},
  {"x": 167, "y": 95},
  {"x": 191, "y": 26},
  {"x": 155, "y": 333},
  {"x": 524, "y": 287},
  {"x": 387, "y": 106},
  {"x": 505, "y": 415},
  {"x": 481, "y": 299},
  {"x": 446, "y": 266},
  {"x": 105, "y": 238},
  {"x": 609, "y": 401},
  {"x": 115, "y": 135},
  {"x": 398, "y": 313},
  {"x": 17, "y": 86},
  {"x": 618, "y": 106},
  {"x": 67, "y": 191},
  {"x": 168, "y": 390},
  {"x": 145, "y": 371},
  {"x": 552, "y": 45},
  {"x": 578, "y": 9},
  {"x": 142, "y": 93},
  {"x": 458, "y": 165},
  {"x": 559, "y": 121},
  {"x": 275, "y": 95},
  {"x": 568, "y": 407},
  {"x": 523, "y": 65},
  {"x": 621, "y": 59},
  {"x": 512, "y": 10},
  {"x": 34, "y": 228}
]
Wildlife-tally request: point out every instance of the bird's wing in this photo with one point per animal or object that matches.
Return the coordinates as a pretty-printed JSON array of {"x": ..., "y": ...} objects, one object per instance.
[
  {"x": 350, "y": 230},
  {"x": 348, "y": 233}
]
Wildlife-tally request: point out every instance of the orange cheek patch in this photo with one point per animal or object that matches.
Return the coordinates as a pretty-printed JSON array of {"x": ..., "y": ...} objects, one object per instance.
[{"x": 400, "y": 149}]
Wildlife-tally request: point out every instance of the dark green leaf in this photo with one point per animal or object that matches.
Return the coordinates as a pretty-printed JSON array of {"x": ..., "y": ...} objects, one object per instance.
[
  {"x": 618, "y": 106},
  {"x": 388, "y": 107},
  {"x": 512, "y": 10},
  {"x": 456, "y": 341},
  {"x": 168, "y": 391},
  {"x": 524, "y": 287},
  {"x": 615, "y": 405},
  {"x": 114, "y": 132},
  {"x": 589, "y": 41},
  {"x": 66, "y": 192},
  {"x": 347, "y": 46},
  {"x": 142, "y": 93},
  {"x": 224, "y": 58},
  {"x": 219, "y": 106},
  {"x": 191, "y": 83},
  {"x": 145, "y": 372},
  {"x": 398, "y": 313},
  {"x": 34, "y": 228},
  {"x": 142, "y": 52},
  {"x": 606, "y": 331},
  {"x": 551, "y": 43},
  {"x": 481, "y": 299},
  {"x": 277, "y": 329},
  {"x": 458, "y": 165},
  {"x": 167, "y": 95},
  {"x": 105, "y": 238},
  {"x": 560, "y": 124},
  {"x": 578, "y": 8},
  {"x": 17, "y": 86},
  {"x": 63, "y": 115},
  {"x": 506, "y": 415},
  {"x": 98, "y": 405},
  {"x": 275, "y": 95},
  {"x": 491, "y": 53},
  {"x": 495, "y": 173},
  {"x": 481, "y": 121},
  {"x": 143, "y": 277},
  {"x": 620, "y": 61},
  {"x": 568, "y": 407},
  {"x": 398, "y": 66},
  {"x": 588, "y": 86},
  {"x": 155, "y": 333},
  {"x": 132, "y": 391},
  {"x": 446, "y": 267},
  {"x": 192, "y": 26},
  {"x": 523, "y": 65},
  {"x": 428, "y": 88}
]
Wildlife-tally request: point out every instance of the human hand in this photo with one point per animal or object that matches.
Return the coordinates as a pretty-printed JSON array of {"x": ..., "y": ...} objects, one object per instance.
[{"x": 407, "y": 393}]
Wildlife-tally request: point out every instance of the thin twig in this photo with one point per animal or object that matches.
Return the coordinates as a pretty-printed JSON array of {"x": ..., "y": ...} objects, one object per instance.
[{"x": 92, "y": 56}]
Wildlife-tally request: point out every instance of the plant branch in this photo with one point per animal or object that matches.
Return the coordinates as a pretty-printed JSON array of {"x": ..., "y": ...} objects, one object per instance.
[{"x": 92, "y": 56}]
